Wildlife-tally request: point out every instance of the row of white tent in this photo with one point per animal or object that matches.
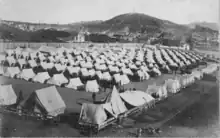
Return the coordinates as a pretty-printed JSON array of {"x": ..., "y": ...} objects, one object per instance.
[
  {"x": 59, "y": 79},
  {"x": 114, "y": 102},
  {"x": 99, "y": 65},
  {"x": 112, "y": 56},
  {"x": 114, "y": 67}
]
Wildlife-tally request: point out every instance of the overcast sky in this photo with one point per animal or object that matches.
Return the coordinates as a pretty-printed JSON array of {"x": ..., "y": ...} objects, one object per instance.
[{"x": 68, "y": 11}]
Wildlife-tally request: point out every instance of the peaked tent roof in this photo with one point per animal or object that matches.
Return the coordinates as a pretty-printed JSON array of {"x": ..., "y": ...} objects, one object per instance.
[
  {"x": 27, "y": 74},
  {"x": 12, "y": 71},
  {"x": 7, "y": 95},
  {"x": 51, "y": 100},
  {"x": 41, "y": 77},
  {"x": 124, "y": 79},
  {"x": 32, "y": 63},
  {"x": 74, "y": 83},
  {"x": 117, "y": 105},
  {"x": 136, "y": 98},
  {"x": 93, "y": 113},
  {"x": 46, "y": 49},
  {"x": 92, "y": 86},
  {"x": 58, "y": 79},
  {"x": 154, "y": 88}
]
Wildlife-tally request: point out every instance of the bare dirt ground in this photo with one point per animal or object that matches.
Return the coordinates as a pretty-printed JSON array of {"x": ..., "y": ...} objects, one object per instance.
[{"x": 199, "y": 119}]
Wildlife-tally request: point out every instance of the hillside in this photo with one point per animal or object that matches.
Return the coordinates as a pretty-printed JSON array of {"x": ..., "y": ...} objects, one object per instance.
[
  {"x": 213, "y": 26},
  {"x": 141, "y": 26}
]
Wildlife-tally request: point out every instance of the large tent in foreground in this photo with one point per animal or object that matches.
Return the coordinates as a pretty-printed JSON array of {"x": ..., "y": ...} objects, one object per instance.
[
  {"x": 7, "y": 95},
  {"x": 46, "y": 101},
  {"x": 100, "y": 114},
  {"x": 114, "y": 103},
  {"x": 136, "y": 98},
  {"x": 93, "y": 113}
]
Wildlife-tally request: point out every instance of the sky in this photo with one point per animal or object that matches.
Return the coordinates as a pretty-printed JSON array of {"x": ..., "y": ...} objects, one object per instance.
[{"x": 69, "y": 11}]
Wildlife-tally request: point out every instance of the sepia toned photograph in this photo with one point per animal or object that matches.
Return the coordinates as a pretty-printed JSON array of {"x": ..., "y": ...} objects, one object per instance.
[{"x": 109, "y": 68}]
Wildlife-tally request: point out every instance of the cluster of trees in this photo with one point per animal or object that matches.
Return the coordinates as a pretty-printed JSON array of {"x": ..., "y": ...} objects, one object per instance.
[{"x": 100, "y": 38}]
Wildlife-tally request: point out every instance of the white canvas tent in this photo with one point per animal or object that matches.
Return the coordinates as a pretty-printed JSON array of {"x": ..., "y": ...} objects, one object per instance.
[
  {"x": 72, "y": 70},
  {"x": 124, "y": 79},
  {"x": 41, "y": 77},
  {"x": 173, "y": 85},
  {"x": 33, "y": 55},
  {"x": 84, "y": 72},
  {"x": 10, "y": 60},
  {"x": 26, "y": 74},
  {"x": 157, "y": 89},
  {"x": 32, "y": 63},
  {"x": 51, "y": 59},
  {"x": 60, "y": 67},
  {"x": 157, "y": 71},
  {"x": 86, "y": 65},
  {"x": 117, "y": 78},
  {"x": 12, "y": 72},
  {"x": 50, "y": 99},
  {"x": 7, "y": 95},
  {"x": 58, "y": 79},
  {"x": 136, "y": 98},
  {"x": 46, "y": 65},
  {"x": 74, "y": 83},
  {"x": 127, "y": 71},
  {"x": 197, "y": 74},
  {"x": 114, "y": 103},
  {"x": 106, "y": 76},
  {"x": 91, "y": 72},
  {"x": 92, "y": 86},
  {"x": 9, "y": 52},
  {"x": 99, "y": 75},
  {"x": 93, "y": 113}
]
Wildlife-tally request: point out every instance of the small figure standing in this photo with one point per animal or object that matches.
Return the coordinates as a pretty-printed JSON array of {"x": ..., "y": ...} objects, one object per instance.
[
  {"x": 94, "y": 97},
  {"x": 139, "y": 132}
]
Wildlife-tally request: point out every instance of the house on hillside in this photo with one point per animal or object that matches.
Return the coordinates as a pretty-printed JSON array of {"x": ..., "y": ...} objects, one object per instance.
[
  {"x": 128, "y": 38},
  {"x": 186, "y": 47},
  {"x": 80, "y": 37}
]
